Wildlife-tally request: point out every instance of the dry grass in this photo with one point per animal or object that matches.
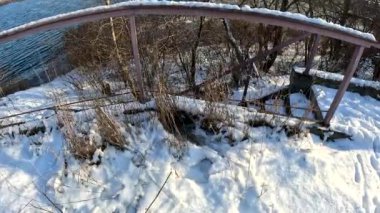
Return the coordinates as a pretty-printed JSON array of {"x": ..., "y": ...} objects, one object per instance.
[
  {"x": 79, "y": 145},
  {"x": 216, "y": 94},
  {"x": 109, "y": 129},
  {"x": 166, "y": 108},
  {"x": 91, "y": 44}
]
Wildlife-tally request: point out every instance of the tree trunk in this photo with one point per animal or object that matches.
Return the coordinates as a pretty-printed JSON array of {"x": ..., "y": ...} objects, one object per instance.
[
  {"x": 278, "y": 34},
  {"x": 194, "y": 57},
  {"x": 337, "y": 44},
  {"x": 236, "y": 73},
  {"x": 113, "y": 33}
]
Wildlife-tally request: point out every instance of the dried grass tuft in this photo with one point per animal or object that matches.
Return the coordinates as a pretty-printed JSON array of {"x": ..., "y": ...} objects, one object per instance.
[
  {"x": 79, "y": 145},
  {"x": 109, "y": 129}
]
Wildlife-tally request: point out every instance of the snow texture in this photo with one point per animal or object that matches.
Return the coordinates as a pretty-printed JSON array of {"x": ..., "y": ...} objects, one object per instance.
[
  {"x": 192, "y": 4},
  {"x": 259, "y": 88}
]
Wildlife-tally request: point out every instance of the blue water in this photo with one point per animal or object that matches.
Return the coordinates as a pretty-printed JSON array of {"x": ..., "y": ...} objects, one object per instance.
[{"x": 21, "y": 58}]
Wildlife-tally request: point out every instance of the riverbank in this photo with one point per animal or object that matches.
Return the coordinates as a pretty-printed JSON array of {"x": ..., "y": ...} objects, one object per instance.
[
  {"x": 53, "y": 69},
  {"x": 22, "y": 58}
]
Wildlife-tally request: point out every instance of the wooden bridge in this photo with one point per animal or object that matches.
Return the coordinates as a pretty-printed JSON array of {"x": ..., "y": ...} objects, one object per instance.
[{"x": 309, "y": 27}]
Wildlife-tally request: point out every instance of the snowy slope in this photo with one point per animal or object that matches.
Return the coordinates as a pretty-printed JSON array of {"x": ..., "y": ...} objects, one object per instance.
[{"x": 260, "y": 170}]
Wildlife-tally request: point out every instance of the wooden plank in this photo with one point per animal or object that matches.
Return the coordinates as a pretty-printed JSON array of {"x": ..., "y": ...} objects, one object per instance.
[
  {"x": 346, "y": 81},
  {"x": 315, "y": 106},
  {"x": 139, "y": 81},
  {"x": 287, "y": 105},
  {"x": 302, "y": 81}
]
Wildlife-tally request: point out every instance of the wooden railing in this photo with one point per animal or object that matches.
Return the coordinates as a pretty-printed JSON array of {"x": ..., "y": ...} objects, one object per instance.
[{"x": 314, "y": 27}]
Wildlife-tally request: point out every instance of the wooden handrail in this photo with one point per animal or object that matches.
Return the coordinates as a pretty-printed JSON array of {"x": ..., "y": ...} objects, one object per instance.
[
  {"x": 180, "y": 8},
  {"x": 375, "y": 45}
]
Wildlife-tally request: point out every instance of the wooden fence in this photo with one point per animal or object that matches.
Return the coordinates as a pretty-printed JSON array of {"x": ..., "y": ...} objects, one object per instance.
[{"x": 313, "y": 27}]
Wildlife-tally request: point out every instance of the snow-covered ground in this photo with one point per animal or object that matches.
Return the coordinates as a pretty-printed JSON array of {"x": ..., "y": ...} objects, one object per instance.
[
  {"x": 300, "y": 105},
  {"x": 260, "y": 88},
  {"x": 237, "y": 169}
]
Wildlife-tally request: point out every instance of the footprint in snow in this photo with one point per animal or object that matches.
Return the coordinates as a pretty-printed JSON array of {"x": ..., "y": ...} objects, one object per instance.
[
  {"x": 376, "y": 147},
  {"x": 365, "y": 197},
  {"x": 248, "y": 201},
  {"x": 201, "y": 171},
  {"x": 376, "y": 202},
  {"x": 375, "y": 165},
  {"x": 357, "y": 173}
]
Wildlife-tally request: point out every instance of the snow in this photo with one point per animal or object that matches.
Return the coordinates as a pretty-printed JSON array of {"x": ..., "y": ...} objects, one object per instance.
[
  {"x": 339, "y": 77},
  {"x": 355, "y": 113},
  {"x": 192, "y": 4},
  {"x": 301, "y": 106},
  {"x": 263, "y": 170},
  {"x": 259, "y": 88}
]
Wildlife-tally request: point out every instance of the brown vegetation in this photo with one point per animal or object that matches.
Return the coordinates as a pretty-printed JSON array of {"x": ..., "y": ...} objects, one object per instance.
[
  {"x": 78, "y": 144},
  {"x": 109, "y": 129}
]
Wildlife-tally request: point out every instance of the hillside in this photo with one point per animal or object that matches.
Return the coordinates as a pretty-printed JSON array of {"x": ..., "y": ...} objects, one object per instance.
[{"x": 237, "y": 168}]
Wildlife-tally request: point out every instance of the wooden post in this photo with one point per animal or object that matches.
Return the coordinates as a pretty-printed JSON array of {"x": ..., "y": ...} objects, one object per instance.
[
  {"x": 243, "y": 101},
  {"x": 313, "y": 51},
  {"x": 345, "y": 83},
  {"x": 246, "y": 84},
  {"x": 138, "y": 77}
]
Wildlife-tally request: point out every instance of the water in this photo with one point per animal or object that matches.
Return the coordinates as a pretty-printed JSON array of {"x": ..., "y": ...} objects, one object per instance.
[{"x": 21, "y": 58}]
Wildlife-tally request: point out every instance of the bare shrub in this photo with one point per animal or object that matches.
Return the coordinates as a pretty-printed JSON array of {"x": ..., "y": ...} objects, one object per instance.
[{"x": 91, "y": 44}]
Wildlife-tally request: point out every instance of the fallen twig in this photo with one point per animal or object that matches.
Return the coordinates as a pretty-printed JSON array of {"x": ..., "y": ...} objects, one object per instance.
[{"x": 151, "y": 204}]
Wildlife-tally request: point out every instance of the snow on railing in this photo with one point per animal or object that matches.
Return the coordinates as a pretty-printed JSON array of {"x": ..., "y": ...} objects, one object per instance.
[
  {"x": 339, "y": 77},
  {"x": 295, "y": 17}
]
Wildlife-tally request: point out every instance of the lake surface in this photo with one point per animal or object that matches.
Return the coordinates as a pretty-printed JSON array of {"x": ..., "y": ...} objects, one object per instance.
[{"x": 25, "y": 57}]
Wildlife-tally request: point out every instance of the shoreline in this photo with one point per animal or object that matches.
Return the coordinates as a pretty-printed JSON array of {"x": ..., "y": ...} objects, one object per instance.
[{"x": 59, "y": 64}]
